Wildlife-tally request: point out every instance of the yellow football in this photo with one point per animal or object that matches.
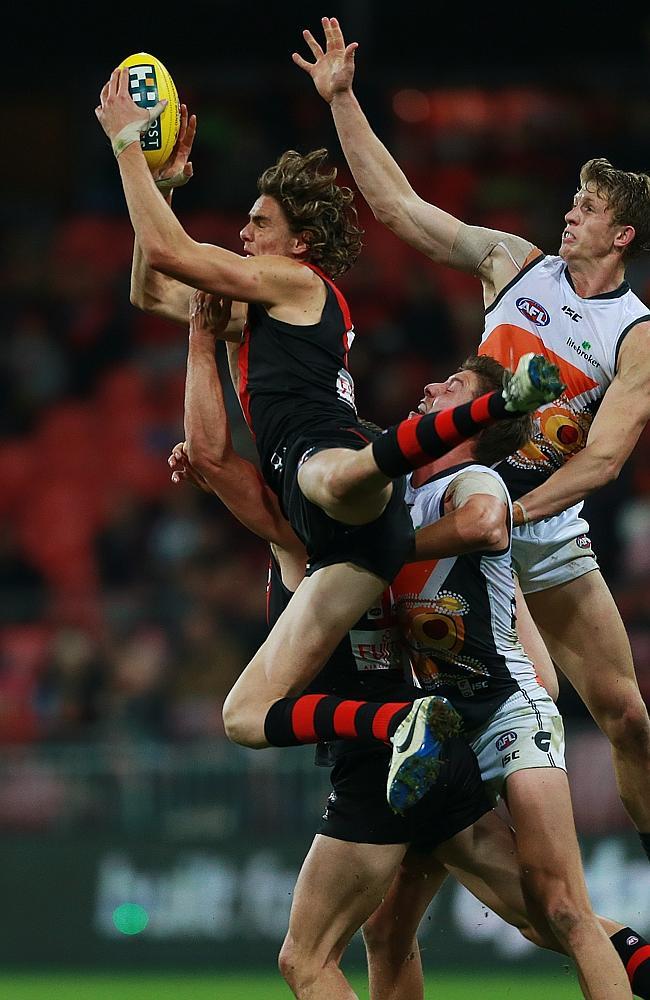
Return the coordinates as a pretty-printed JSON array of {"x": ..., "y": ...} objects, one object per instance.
[{"x": 150, "y": 82}]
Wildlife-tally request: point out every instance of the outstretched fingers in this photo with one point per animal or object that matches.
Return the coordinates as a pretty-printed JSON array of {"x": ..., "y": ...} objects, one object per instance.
[
  {"x": 314, "y": 46},
  {"x": 302, "y": 63},
  {"x": 333, "y": 33}
]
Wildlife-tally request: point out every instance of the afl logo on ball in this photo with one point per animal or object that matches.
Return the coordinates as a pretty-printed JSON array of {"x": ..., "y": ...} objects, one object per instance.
[
  {"x": 533, "y": 311},
  {"x": 505, "y": 740}
]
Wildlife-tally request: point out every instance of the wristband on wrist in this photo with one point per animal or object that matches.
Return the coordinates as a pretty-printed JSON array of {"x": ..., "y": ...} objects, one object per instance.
[
  {"x": 133, "y": 130},
  {"x": 524, "y": 513},
  {"x": 125, "y": 137},
  {"x": 177, "y": 180}
]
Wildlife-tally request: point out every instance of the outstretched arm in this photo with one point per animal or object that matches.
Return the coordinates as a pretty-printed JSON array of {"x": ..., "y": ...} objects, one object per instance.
[
  {"x": 152, "y": 291},
  {"x": 166, "y": 247},
  {"x": 208, "y": 445},
  {"x": 494, "y": 256},
  {"x": 623, "y": 413}
]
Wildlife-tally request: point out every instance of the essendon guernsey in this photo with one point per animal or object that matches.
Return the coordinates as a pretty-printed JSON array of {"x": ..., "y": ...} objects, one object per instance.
[{"x": 294, "y": 379}]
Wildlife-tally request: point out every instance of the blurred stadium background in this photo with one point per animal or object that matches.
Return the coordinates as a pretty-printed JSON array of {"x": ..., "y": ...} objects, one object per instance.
[{"x": 128, "y": 607}]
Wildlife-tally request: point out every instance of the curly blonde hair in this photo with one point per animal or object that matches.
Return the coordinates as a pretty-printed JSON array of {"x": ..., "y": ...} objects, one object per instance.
[{"x": 314, "y": 205}]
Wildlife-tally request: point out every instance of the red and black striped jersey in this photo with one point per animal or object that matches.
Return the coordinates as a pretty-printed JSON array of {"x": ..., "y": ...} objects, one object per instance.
[{"x": 294, "y": 379}]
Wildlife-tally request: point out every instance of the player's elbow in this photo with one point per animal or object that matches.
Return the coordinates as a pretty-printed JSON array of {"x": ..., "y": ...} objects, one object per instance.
[
  {"x": 611, "y": 470},
  {"x": 390, "y": 213},
  {"x": 208, "y": 461},
  {"x": 485, "y": 527},
  {"x": 136, "y": 298},
  {"x": 605, "y": 468},
  {"x": 159, "y": 257},
  {"x": 144, "y": 301},
  {"x": 243, "y": 724},
  {"x": 489, "y": 536}
]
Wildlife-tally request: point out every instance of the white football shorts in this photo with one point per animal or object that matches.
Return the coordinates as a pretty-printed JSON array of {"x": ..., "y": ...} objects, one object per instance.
[
  {"x": 525, "y": 732},
  {"x": 552, "y": 551}
]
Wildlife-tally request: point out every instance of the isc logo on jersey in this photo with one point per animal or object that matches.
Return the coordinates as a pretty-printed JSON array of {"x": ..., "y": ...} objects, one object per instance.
[
  {"x": 506, "y": 740},
  {"x": 533, "y": 311}
]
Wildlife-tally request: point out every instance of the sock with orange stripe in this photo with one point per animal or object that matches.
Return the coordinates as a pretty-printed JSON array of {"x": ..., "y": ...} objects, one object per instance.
[
  {"x": 310, "y": 718},
  {"x": 634, "y": 952},
  {"x": 417, "y": 441}
]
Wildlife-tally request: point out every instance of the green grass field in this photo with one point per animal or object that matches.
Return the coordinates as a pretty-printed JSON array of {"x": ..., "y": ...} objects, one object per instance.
[{"x": 267, "y": 987}]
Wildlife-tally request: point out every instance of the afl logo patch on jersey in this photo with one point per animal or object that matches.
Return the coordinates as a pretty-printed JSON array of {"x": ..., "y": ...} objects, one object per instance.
[
  {"x": 505, "y": 740},
  {"x": 345, "y": 388},
  {"x": 533, "y": 311},
  {"x": 583, "y": 542}
]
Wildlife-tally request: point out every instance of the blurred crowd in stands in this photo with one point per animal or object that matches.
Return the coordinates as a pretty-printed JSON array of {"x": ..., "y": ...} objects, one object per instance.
[{"x": 129, "y": 605}]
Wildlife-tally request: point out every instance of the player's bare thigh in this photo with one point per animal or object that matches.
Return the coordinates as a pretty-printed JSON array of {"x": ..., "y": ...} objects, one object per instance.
[
  {"x": 346, "y": 484},
  {"x": 339, "y": 886},
  {"x": 540, "y": 805},
  {"x": 321, "y": 612},
  {"x": 534, "y": 646},
  {"x": 584, "y": 633}
]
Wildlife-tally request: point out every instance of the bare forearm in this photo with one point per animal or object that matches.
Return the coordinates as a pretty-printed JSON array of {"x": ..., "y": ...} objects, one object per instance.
[
  {"x": 378, "y": 176},
  {"x": 385, "y": 186},
  {"x": 582, "y": 475},
  {"x": 155, "y": 225},
  {"x": 155, "y": 293},
  {"x": 459, "y": 532},
  {"x": 206, "y": 425}
]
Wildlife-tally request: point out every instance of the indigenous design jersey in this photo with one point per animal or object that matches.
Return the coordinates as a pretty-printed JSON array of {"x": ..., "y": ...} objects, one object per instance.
[
  {"x": 367, "y": 663},
  {"x": 457, "y": 616},
  {"x": 540, "y": 311},
  {"x": 294, "y": 379}
]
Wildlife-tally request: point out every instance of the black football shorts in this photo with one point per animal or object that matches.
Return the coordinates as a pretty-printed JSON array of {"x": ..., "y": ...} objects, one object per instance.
[
  {"x": 381, "y": 546},
  {"x": 357, "y": 809}
]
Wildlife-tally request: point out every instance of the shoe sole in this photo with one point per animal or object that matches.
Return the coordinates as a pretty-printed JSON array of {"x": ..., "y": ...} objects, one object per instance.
[
  {"x": 536, "y": 381},
  {"x": 545, "y": 376},
  {"x": 419, "y": 770}
]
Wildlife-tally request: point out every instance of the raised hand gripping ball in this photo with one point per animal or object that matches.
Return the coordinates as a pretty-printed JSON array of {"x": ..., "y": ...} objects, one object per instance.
[{"x": 150, "y": 82}]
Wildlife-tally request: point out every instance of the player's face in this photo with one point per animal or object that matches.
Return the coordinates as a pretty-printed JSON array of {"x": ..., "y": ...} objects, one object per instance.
[
  {"x": 589, "y": 232},
  {"x": 461, "y": 387},
  {"x": 267, "y": 230}
]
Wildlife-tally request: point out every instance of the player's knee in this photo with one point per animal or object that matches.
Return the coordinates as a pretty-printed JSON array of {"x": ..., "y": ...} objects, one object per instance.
[
  {"x": 530, "y": 933},
  {"x": 383, "y": 940},
  {"x": 627, "y": 727},
  {"x": 563, "y": 918},
  {"x": 376, "y": 932},
  {"x": 288, "y": 961},
  {"x": 337, "y": 483},
  {"x": 241, "y": 723},
  {"x": 298, "y": 968},
  {"x": 562, "y": 908}
]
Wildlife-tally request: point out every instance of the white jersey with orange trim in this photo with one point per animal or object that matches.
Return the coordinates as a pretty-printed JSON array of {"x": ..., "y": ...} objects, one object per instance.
[
  {"x": 540, "y": 311},
  {"x": 457, "y": 616}
]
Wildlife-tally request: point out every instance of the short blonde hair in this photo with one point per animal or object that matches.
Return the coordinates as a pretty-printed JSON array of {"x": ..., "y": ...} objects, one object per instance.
[{"x": 627, "y": 195}]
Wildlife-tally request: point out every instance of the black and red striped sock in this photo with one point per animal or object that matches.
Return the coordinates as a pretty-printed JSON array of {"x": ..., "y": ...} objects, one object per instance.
[
  {"x": 417, "y": 441},
  {"x": 310, "y": 718},
  {"x": 634, "y": 952}
]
